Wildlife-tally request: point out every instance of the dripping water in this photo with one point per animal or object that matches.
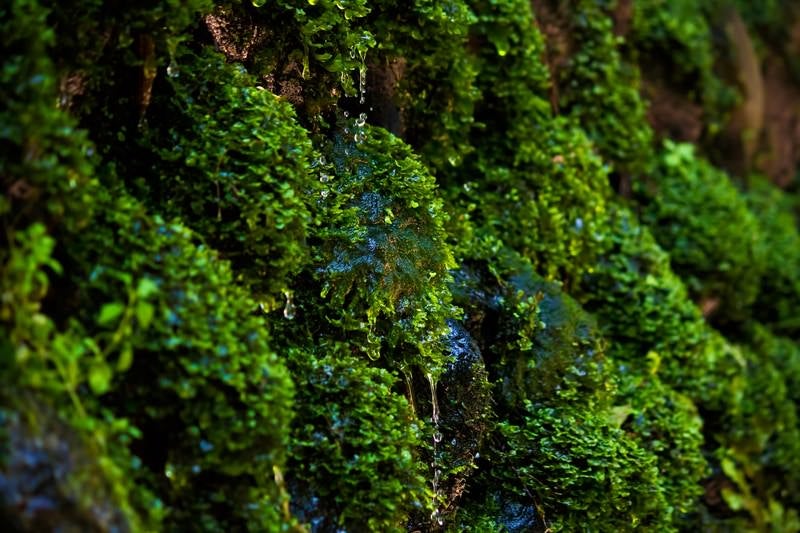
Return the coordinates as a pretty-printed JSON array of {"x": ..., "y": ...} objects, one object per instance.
[
  {"x": 436, "y": 515},
  {"x": 289, "y": 309}
]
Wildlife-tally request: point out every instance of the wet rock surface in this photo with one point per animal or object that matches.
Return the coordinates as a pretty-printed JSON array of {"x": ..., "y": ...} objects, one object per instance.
[{"x": 49, "y": 480}]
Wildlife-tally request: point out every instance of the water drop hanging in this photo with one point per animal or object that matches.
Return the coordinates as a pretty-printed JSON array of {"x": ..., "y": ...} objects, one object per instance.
[{"x": 289, "y": 309}]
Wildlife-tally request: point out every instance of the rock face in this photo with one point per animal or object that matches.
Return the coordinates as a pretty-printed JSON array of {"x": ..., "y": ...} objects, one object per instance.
[
  {"x": 50, "y": 480},
  {"x": 353, "y": 266}
]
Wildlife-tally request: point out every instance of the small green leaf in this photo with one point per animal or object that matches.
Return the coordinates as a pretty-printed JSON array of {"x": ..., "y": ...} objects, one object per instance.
[
  {"x": 100, "y": 377},
  {"x": 735, "y": 501},
  {"x": 146, "y": 287},
  {"x": 110, "y": 312},
  {"x": 144, "y": 313},
  {"x": 125, "y": 358},
  {"x": 618, "y": 415}
]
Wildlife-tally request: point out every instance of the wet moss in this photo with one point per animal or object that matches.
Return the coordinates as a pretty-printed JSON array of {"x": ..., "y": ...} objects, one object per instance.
[
  {"x": 383, "y": 260},
  {"x": 354, "y": 460},
  {"x": 539, "y": 469},
  {"x": 480, "y": 333},
  {"x": 236, "y": 165}
]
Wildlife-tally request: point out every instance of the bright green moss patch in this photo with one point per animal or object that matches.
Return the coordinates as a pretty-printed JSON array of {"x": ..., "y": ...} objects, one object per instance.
[
  {"x": 699, "y": 217},
  {"x": 601, "y": 91},
  {"x": 352, "y": 422},
  {"x": 236, "y": 165}
]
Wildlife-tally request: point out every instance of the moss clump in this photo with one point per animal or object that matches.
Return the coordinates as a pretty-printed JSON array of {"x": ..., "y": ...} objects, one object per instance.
[
  {"x": 666, "y": 424},
  {"x": 421, "y": 59},
  {"x": 643, "y": 307},
  {"x": 777, "y": 300},
  {"x": 533, "y": 180},
  {"x": 382, "y": 260},
  {"x": 601, "y": 92},
  {"x": 541, "y": 467},
  {"x": 237, "y": 167},
  {"x": 699, "y": 217},
  {"x": 143, "y": 331},
  {"x": 677, "y": 38},
  {"x": 350, "y": 420},
  {"x": 219, "y": 388}
]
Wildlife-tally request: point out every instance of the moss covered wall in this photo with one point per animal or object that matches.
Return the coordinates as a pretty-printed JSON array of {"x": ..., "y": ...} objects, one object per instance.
[{"x": 355, "y": 266}]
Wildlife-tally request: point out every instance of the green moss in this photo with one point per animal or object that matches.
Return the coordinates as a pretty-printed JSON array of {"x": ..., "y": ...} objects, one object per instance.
[
  {"x": 350, "y": 420},
  {"x": 194, "y": 359},
  {"x": 443, "y": 373},
  {"x": 52, "y": 373},
  {"x": 777, "y": 300},
  {"x": 582, "y": 469},
  {"x": 426, "y": 45},
  {"x": 382, "y": 258},
  {"x": 699, "y": 217},
  {"x": 678, "y": 38},
  {"x": 237, "y": 167},
  {"x": 643, "y": 308},
  {"x": 666, "y": 424},
  {"x": 544, "y": 468},
  {"x": 43, "y": 158},
  {"x": 323, "y": 41},
  {"x": 533, "y": 180},
  {"x": 133, "y": 290},
  {"x": 601, "y": 91}
]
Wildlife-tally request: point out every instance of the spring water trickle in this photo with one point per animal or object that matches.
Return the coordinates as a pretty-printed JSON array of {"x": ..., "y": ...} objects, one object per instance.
[{"x": 436, "y": 515}]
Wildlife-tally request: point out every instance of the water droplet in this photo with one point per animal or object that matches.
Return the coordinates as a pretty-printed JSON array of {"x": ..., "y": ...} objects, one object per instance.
[
  {"x": 477, "y": 455},
  {"x": 437, "y": 437},
  {"x": 434, "y": 401},
  {"x": 436, "y": 516},
  {"x": 324, "y": 194},
  {"x": 346, "y": 114},
  {"x": 289, "y": 309},
  {"x": 169, "y": 471},
  {"x": 172, "y": 70},
  {"x": 324, "y": 178},
  {"x": 361, "y": 120}
]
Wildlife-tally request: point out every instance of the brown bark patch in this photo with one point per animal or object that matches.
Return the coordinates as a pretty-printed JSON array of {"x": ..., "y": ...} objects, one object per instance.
[
  {"x": 671, "y": 113},
  {"x": 554, "y": 21},
  {"x": 781, "y": 153}
]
